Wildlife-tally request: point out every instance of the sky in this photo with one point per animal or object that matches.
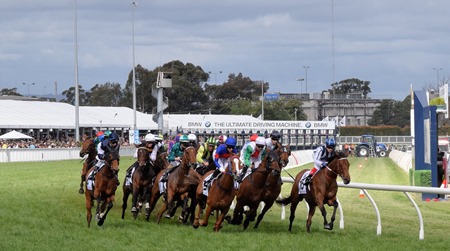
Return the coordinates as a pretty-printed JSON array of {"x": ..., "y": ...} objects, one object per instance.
[{"x": 392, "y": 44}]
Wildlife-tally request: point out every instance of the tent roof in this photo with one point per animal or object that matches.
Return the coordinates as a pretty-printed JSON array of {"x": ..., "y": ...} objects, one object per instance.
[{"x": 15, "y": 135}]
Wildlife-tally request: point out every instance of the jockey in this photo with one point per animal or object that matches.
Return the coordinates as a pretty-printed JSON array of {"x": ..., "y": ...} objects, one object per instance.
[
  {"x": 222, "y": 158},
  {"x": 175, "y": 156},
  {"x": 205, "y": 153},
  {"x": 152, "y": 148},
  {"x": 320, "y": 157},
  {"x": 107, "y": 133},
  {"x": 159, "y": 142},
  {"x": 192, "y": 140},
  {"x": 251, "y": 155},
  {"x": 273, "y": 140},
  {"x": 221, "y": 140},
  {"x": 112, "y": 142},
  {"x": 99, "y": 137}
]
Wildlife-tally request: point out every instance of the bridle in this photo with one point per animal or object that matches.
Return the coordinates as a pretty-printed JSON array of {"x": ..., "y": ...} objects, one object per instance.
[
  {"x": 187, "y": 165},
  {"x": 337, "y": 173}
]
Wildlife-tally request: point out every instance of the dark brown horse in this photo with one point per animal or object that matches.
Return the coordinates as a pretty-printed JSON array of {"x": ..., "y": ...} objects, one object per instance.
[
  {"x": 182, "y": 182},
  {"x": 87, "y": 148},
  {"x": 220, "y": 196},
  {"x": 322, "y": 190},
  {"x": 141, "y": 182},
  {"x": 263, "y": 184},
  {"x": 104, "y": 189}
]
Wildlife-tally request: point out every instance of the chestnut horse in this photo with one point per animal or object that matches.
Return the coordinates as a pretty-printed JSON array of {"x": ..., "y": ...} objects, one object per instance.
[
  {"x": 141, "y": 183},
  {"x": 181, "y": 182},
  {"x": 322, "y": 190},
  {"x": 263, "y": 184},
  {"x": 87, "y": 147},
  {"x": 220, "y": 195},
  {"x": 104, "y": 189}
]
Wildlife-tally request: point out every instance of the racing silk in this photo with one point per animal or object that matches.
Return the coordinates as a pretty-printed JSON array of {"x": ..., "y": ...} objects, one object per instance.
[
  {"x": 320, "y": 156},
  {"x": 176, "y": 151},
  {"x": 222, "y": 157},
  {"x": 152, "y": 152},
  {"x": 251, "y": 154},
  {"x": 203, "y": 155}
]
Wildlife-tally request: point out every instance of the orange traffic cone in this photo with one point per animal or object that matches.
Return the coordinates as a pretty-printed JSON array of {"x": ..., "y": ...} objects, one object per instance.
[
  {"x": 361, "y": 193},
  {"x": 360, "y": 166}
]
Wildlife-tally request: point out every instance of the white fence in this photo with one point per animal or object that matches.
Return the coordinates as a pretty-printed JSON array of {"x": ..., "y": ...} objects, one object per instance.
[{"x": 48, "y": 154}]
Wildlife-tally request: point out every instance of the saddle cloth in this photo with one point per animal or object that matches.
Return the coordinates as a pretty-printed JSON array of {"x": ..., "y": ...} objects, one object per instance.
[
  {"x": 90, "y": 182},
  {"x": 129, "y": 179},
  {"x": 302, "y": 189}
]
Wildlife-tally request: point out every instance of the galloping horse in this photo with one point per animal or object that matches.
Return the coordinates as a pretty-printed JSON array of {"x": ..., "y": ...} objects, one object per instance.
[
  {"x": 322, "y": 190},
  {"x": 87, "y": 147},
  {"x": 105, "y": 185},
  {"x": 263, "y": 184},
  {"x": 220, "y": 196},
  {"x": 141, "y": 182}
]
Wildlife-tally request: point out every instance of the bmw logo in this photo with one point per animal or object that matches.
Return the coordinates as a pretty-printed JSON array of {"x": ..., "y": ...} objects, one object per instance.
[
  {"x": 308, "y": 124},
  {"x": 207, "y": 124}
]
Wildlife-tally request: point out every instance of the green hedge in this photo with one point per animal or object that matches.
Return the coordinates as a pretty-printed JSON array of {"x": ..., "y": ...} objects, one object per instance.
[{"x": 422, "y": 178}]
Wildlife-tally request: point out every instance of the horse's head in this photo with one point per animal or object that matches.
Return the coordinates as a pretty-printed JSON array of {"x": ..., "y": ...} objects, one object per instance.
[
  {"x": 142, "y": 156},
  {"x": 112, "y": 159},
  {"x": 340, "y": 166},
  {"x": 189, "y": 157},
  {"x": 235, "y": 165},
  {"x": 273, "y": 163},
  {"x": 283, "y": 152},
  {"x": 87, "y": 147}
]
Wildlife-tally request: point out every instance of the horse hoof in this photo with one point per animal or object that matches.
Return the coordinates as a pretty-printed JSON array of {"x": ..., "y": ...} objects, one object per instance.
[
  {"x": 167, "y": 216},
  {"x": 81, "y": 191},
  {"x": 134, "y": 210},
  {"x": 180, "y": 219},
  {"x": 327, "y": 227}
]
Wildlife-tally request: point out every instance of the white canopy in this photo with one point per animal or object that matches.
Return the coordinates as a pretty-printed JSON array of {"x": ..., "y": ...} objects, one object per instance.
[{"x": 15, "y": 135}]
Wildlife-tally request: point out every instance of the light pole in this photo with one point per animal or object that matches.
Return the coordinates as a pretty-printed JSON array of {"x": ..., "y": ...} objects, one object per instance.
[
  {"x": 28, "y": 87},
  {"x": 262, "y": 100},
  {"x": 300, "y": 80},
  {"x": 296, "y": 114},
  {"x": 306, "y": 77},
  {"x": 215, "y": 76},
  {"x": 77, "y": 91},
  {"x": 133, "y": 4},
  {"x": 437, "y": 69}
]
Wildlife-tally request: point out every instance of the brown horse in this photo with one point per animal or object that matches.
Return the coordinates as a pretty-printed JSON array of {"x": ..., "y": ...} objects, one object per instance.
[
  {"x": 181, "y": 182},
  {"x": 87, "y": 148},
  {"x": 220, "y": 196},
  {"x": 322, "y": 190},
  {"x": 142, "y": 177},
  {"x": 263, "y": 184},
  {"x": 105, "y": 185},
  {"x": 283, "y": 152}
]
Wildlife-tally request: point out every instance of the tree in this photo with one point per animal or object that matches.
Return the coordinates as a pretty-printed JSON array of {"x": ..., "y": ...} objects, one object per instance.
[
  {"x": 10, "y": 92},
  {"x": 70, "y": 96},
  {"x": 108, "y": 94},
  {"x": 392, "y": 112},
  {"x": 352, "y": 85},
  {"x": 145, "y": 82}
]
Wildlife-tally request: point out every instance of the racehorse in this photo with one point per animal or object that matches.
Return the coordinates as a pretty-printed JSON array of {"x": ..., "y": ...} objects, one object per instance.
[
  {"x": 220, "y": 196},
  {"x": 141, "y": 182},
  {"x": 263, "y": 184},
  {"x": 105, "y": 185},
  {"x": 322, "y": 190},
  {"x": 181, "y": 182},
  {"x": 87, "y": 147},
  {"x": 283, "y": 152}
]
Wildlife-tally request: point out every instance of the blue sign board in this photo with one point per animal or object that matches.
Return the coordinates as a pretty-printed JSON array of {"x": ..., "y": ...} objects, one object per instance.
[{"x": 271, "y": 96}]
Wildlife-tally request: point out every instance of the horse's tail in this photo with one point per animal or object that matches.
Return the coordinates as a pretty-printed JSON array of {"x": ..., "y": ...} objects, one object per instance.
[{"x": 284, "y": 201}]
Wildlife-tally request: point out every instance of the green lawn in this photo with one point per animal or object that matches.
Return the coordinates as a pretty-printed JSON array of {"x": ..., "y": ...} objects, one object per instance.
[{"x": 42, "y": 210}]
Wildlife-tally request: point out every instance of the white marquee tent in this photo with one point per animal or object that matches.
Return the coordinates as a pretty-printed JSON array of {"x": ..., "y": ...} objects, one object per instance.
[{"x": 15, "y": 135}]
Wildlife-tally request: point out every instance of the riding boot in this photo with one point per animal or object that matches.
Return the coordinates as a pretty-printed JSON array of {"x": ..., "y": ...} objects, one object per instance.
[
  {"x": 130, "y": 169},
  {"x": 308, "y": 178},
  {"x": 242, "y": 174},
  {"x": 165, "y": 176},
  {"x": 213, "y": 176}
]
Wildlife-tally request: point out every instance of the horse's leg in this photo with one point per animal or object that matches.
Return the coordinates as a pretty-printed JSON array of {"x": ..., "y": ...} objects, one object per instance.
[
  {"x": 220, "y": 219},
  {"x": 237, "y": 213},
  {"x": 267, "y": 206},
  {"x": 206, "y": 215},
  {"x": 135, "y": 197},
  {"x": 126, "y": 194},
  {"x": 312, "y": 210},
  {"x": 335, "y": 205},
  {"x": 324, "y": 215},
  {"x": 294, "y": 204},
  {"x": 197, "y": 216},
  {"x": 153, "y": 199},
  {"x": 251, "y": 215},
  {"x": 103, "y": 215},
  {"x": 81, "y": 190},
  {"x": 88, "y": 210}
]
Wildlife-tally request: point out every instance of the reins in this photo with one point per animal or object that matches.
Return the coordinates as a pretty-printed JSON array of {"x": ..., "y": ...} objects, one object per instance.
[{"x": 331, "y": 170}]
